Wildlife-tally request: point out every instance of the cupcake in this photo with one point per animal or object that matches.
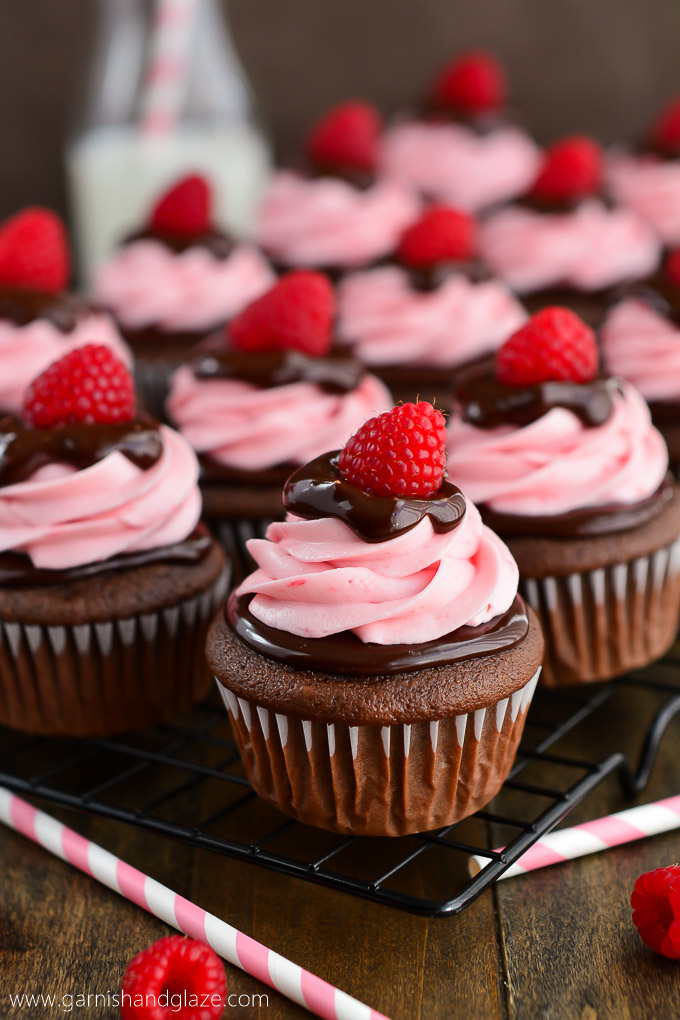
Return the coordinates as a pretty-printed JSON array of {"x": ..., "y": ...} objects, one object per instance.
[
  {"x": 461, "y": 146},
  {"x": 175, "y": 281},
  {"x": 562, "y": 243},
  {"x": 107, "y": 580},
  {"x": 39, "y": 320},
  {"x": 646, "y": 178},
  {"x": 431, "y": 308},
  {"x": 266, "y": 395},
  {"x": 640, "y": 340},
  {"x": 334, "y": 212},
  {"x": 567, "y": 467},
  {"x": 378, "y": 665}
]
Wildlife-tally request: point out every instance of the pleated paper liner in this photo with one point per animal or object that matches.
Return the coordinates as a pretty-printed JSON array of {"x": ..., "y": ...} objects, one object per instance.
[
  {"x": 104, "y": 678},
  {"x": 605, "y": 622},
  {"x": 379, "y": 780}
]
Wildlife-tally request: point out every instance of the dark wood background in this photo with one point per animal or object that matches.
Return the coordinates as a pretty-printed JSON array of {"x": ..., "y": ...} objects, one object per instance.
[{"x": 597, "y": 65}]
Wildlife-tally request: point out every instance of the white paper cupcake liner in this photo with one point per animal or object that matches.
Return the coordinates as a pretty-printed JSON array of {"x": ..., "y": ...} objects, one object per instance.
[{"x": 379, "y": 780}]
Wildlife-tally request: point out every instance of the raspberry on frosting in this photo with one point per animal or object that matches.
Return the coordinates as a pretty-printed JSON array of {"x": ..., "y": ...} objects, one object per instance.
[
  {"x": 672, "y": 266},
  {"x": 34, "y": 251},
  {"x": 176, "y": 976},
  {"x": 400, "y": 453},
  {"x": 347, "y": 137},
  {"x": 185, "y": 209},
  {"x": 665, "y": 132},
  {"x": 295, "y": 314},
  {"x": 553, "y": 345},
  {"x": 442, "y": 234},
  {"x": 88, "y": 385},
  {"x": 473, "y": 83},
  {"x": 656, "y": 910},
  {"x": 572, "y": 169}
]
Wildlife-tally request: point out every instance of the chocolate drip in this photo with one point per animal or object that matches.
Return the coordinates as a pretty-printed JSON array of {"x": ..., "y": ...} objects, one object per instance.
[
  {"x": 17, "y": 570},
  {"x": 481, "y": 123},
  {"x": 556, "y": 206},
  {"x": 345, "y": 654},
  {"x": 318, "y": 490},
  {"x": 23, "y": 451},
  {"x": 426, "y": 279},
  {"x": 214, "y": 241},
  {"x": 587, "y": 522},
  {"x": 337, "y": 372},
  {"x": 488, "y": 403},
  {"x": 22, "y": 306}
]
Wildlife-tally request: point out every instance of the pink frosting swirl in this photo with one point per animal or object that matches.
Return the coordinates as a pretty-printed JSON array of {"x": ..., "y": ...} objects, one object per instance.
[
  {"x": 146, "y": 284},
  {"x": 64, "y": 518},
  {"x": 557, "y": 464},
  {"x": 651, "y": 187},
  {"x": 317, "y": 578},
  {"x": 641, "y": 345},
  {"x": 244, "y": 427},
  {"x": 388, "y": 322},
  {"x": 25, "y": 351},
  {"x": 453, "y": 164},
  {"x": 588, "y": 249},
  {"x": 327, "y": 222}
]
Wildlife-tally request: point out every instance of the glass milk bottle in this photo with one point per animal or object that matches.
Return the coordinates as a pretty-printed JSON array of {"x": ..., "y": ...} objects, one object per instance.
[{"x": 167, "y": 96}]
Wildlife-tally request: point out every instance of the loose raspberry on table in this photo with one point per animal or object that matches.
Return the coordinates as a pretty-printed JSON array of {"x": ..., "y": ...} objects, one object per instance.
[
  {"x": 295, "y": 314},
  {"x": 34, "y": 251},
  {"x": 89, "y": 384},
  {"x": 473, "y": 83},
  {"x": 656, "y": 910},
  {"x": 666, "y": 130},
  {"x": 441, "y": 234},
  {"x": 185, "y": 209},
  {"x": 572, "y": 169},
  {"x": 553, "y": 345},
  {"x": 348, "y": 136},
  {"x": 176, "y": 977},
  {"x": 400, "y": 453}
]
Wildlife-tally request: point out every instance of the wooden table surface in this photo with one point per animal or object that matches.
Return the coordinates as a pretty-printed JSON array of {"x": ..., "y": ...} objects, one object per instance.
[{"x": 557, "y": 944}]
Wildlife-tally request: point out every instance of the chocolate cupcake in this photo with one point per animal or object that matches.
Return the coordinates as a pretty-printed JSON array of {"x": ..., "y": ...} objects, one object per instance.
[
  {"x": 175, "y": 281},
  {"x": 378, "y": 665},
  {"x": 334, "y": 211},
  {"x": 39, "y": 320},
  {"x": 566, "y": 465},
  {"x": 433, "y": 307},
  {"x": 461, "y": 144},
  {"x": 264, "y": 396},
  {"x": 640, "y": 341},
  {"x": 563, "y": 242},
  {"x": 107, "y": 580}
]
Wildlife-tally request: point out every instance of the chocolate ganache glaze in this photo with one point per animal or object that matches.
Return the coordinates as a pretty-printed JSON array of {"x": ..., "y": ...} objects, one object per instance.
[
  {"x": 319, "y": 490},
  {"x": 345, "y": 653},
  {"x": 214, "y": 241},
  {"x": 23, "y": 450},
  {"x": 337, "y": 372},
  {"x": 21, "y": 306}
]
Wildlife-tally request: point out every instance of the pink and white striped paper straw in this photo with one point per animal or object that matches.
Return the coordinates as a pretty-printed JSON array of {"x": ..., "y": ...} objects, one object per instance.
[
  {"x": 593, "y": 837},
  {"x": 319, "y": 997},
  {"x": 167, "y": 70}
]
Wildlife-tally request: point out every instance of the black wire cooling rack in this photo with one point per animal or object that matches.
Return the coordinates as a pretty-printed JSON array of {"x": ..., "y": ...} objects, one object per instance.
[{"x": 185, "y": 781}]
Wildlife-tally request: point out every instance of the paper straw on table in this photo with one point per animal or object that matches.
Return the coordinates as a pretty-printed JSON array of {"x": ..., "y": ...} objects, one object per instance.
[
  {"x": 592, "y": 837},
  {"x": 311, "y": 992},
  {"x": 167, "y": 71}
]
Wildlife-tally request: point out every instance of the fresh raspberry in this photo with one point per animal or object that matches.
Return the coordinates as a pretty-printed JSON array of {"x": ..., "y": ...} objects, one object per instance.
[
  {"x": 348, "y": 136},
  {"x": 553, "y": 345},
  {"x": 185, "y": 210},
  {"x": 666, "y": 129},
  {"x": 176, "y": 977},
  {"x": 656, "y": 910},
  {"x": 474, "y": 83},
  {"x": 440, "y": 235},
  {"x": 297, "y": 313},
  {"x": 400, "y": 453},
  {"x": 672, "y": 266},
  {"x": 89, "y": 384},
  {"x": 571, "y": 169},
  {"x": 34, "y": 251}
]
